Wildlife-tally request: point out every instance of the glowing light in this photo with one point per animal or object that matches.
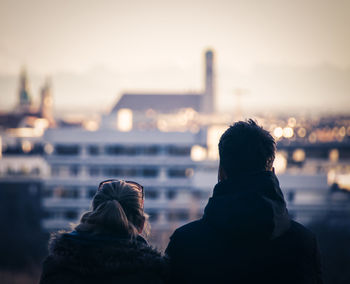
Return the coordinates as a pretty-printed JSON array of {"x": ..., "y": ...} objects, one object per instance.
[
  {"x": 91, "y": 125},
  {"x": 299, "y": 155},
  {"x": 344, "y": 181},
  {"x": 334, "y": 155},
  {"x": 312, "y": 137},
  {"x": 292, "y": 121},
  {"x": 198, "y": 153},
  {"x": 162, "y": 125},
  {"x": 278, "y": 132},
  {"x": 280, "y": 163},
  {"x": 25, "y": 132},
  {"x": 124, "y": 120},
  {"x": 288, "y": 132},
  {"x": 26, "y": 146},
  {"x": 342, "y": 131},
  {"x": 41, "y": 123},
  {"x": 331, "y": 176},
  {"x": 213, "y": 136},
  {"x": 48, "y": 148},
  {"x": 301, "y": 132}
]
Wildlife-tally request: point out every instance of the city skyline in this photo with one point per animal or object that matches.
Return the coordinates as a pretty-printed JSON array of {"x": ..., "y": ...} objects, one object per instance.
[{"x": 289, "y": 56}]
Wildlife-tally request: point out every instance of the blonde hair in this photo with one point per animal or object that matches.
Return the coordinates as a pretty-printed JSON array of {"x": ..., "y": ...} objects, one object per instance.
[{"x": 117, "y": 208}]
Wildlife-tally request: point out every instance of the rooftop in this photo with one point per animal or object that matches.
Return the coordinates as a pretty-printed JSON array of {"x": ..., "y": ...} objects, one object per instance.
[{"x": 164, "y": 103}]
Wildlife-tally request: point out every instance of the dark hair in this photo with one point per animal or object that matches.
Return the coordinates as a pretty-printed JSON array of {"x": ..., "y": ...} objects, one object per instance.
[
  {"x": 117, "y": 207},
  {"x": 246, "y": 147}
]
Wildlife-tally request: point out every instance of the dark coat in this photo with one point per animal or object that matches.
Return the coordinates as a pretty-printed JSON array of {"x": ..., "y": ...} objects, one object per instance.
[
  {"x": 245, "y": 236},
  {"x": 82, "y": 258}
]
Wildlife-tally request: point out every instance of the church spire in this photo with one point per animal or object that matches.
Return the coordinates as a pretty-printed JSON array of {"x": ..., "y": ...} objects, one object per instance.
[
  {"x": 46, "y": 102},
  {"x": 208, "y": 100},
  {"x": 25, "y": 100}
]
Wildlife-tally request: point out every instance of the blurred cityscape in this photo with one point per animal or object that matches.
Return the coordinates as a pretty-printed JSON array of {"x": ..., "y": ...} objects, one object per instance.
[{"x": 168, "y": 143}]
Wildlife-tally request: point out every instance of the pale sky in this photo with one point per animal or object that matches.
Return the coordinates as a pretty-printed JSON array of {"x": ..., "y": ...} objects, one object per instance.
[{"x": 290, "y": 55}]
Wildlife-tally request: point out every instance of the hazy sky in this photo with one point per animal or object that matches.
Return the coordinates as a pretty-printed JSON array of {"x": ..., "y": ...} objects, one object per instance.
[{"x": 290, "y": 55}]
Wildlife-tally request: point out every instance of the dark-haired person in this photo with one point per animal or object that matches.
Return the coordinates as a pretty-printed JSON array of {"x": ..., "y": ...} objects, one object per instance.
[
  {"x": 245, "y": 234},
  {"x": 106, "y": 247}
]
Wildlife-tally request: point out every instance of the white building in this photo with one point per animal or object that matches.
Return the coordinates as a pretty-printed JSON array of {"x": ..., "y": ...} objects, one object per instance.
[{"x": 176, "y": 186}]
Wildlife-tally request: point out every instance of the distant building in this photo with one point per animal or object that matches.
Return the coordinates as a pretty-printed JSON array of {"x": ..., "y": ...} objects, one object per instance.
[
  {"x": 203, "y": 102},
  {"x": 46, "y": 103},
  {"x": 176, "y": 186},
  {"x": 25, "y": 100},
  {"x": 26, "y": 112}
]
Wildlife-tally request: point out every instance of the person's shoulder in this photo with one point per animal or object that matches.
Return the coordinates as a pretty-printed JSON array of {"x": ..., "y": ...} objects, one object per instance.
[
  {"x": 298, "y": 233},
  {"x": 192, "y": 228},
  {"x": 300, "y": 230}
]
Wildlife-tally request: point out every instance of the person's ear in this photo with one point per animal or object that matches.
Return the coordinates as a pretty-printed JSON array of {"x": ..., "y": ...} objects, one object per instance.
[{"x": 221, "y": 174}]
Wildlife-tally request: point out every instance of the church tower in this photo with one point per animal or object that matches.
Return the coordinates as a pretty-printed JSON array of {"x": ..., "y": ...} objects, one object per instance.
[
  {"x": 208, "y": 100},
  {"x": 46, "y": 103},
  {"x": 25, "y": 100}
]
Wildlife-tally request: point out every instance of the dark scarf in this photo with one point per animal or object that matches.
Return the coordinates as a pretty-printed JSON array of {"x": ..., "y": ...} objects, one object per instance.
[{"x": 248, "y": 205}]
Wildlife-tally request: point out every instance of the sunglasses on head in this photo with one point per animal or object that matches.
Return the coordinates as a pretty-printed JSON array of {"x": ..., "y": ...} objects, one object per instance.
[{"x": 139, "y": 186}]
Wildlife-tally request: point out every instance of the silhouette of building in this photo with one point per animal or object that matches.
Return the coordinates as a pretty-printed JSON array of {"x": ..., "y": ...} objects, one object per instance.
[
  {"x": 26, "y": 114},
  {"x": 202, "y": 102},
  {"x": 25, "y": 100},
  {"x": 208, "y": 99},
  {"x": 46, "y": 103}
]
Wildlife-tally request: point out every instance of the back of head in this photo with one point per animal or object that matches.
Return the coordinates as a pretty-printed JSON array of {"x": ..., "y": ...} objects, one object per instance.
[
  {"x": 246, "y": 147},
  {"x": 117, "y": 208}
]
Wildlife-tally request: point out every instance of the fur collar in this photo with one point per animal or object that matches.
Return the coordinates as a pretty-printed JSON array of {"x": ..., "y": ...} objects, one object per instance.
[{"x": 86, "y": 255}]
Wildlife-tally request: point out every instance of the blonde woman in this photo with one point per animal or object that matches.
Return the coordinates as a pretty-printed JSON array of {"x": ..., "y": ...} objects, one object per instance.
[{"x": 106, "y": 246}]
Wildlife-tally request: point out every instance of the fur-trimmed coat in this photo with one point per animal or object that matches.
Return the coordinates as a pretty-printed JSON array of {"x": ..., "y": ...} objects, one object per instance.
[{"x": 82, "y": 258}]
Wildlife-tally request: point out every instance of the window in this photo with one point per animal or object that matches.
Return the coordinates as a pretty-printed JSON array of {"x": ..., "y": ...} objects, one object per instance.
[
  {"x": 291, "y": 196},
  {"x": 122, "y": 150},
  {"x": 91, "y": 191},
  {"x": 122, "y": 172},
  {"x": 71, "y": 215},
  {"x": 53, "y": 214},
  {"x": 129, "y": 172},
  {"x": 112, "y": 172},
  {"x": 150, "y": 172},
  {"x": 180, "y": 172},
  {"x": 171, "y": 194},
  {"x": 199, "y": 195},
  {"x": 74, "y": 170},
  {"x": 94, "y": 171},
  {"x": 65, "y": 192},
  {"x": 179, "y": 150},
  {"x": 178, "y": 216},
  {"x": 151, "y": 194},
  {"x": 153, "y": 216},
  {"x": 67, "y": 149},
  {"x": 151, "y": 150},
  {"x": 93, "y": 150}
]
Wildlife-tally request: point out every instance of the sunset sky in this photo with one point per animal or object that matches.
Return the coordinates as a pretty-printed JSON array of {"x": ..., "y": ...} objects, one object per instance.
[{"x": 290, "y": 56}]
